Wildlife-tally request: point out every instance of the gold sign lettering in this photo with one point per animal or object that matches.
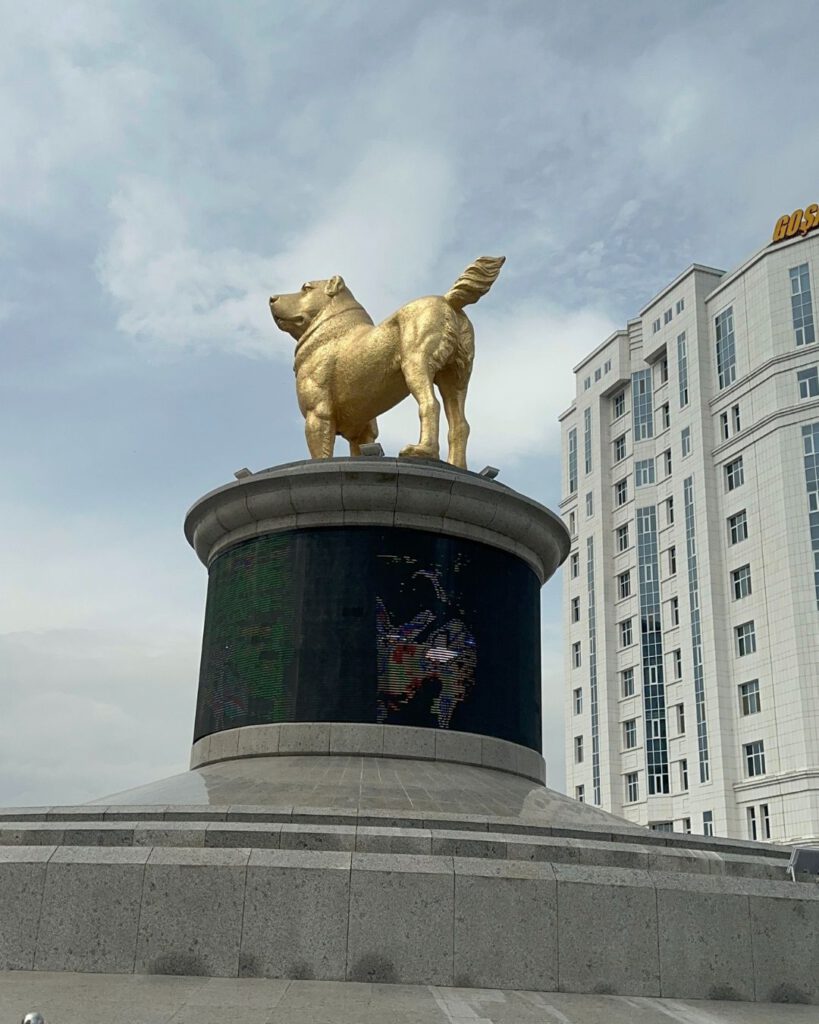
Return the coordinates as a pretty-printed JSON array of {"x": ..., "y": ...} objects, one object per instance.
[{"x": 800, "y": 222}]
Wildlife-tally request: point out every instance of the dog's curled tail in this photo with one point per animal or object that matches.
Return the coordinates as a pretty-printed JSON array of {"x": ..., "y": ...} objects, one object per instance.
[{"x": 475, "y": 281}]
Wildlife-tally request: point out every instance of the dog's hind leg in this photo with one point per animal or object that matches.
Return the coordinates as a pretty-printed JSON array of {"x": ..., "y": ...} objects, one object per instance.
[
  {"x": 419, "y": 383},
  {"x": 367, "y": 436},
  {"x": 454, "y": 397},
  {"x": 320, "y": 432}
]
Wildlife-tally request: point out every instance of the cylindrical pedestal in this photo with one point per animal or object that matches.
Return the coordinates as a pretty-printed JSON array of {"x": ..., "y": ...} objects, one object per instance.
[{"x": 396, "y": 595}]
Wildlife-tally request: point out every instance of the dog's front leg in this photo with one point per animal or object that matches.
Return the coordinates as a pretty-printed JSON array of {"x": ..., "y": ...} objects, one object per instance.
[{"x": 320, "y": 431}]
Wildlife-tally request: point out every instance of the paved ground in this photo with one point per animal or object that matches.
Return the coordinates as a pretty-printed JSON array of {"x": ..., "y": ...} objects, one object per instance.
[{"x": 128, "y": 999}]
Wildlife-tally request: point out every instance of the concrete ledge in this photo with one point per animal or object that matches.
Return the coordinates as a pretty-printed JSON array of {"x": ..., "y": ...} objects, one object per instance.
[
  {"x": 409, "y": 919},
  {"x": 429, "y": 496},
  {"x": 401, "y": 741}
]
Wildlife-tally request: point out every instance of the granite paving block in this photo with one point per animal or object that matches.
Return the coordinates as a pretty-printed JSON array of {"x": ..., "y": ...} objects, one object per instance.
[
  {"x": 304, "y": 737},
  {"x": 469, "y": 844},
  {"x": 258, "y": 739},
  {"x": 317, "y": 837},
  {"x": 244, "y": 834},
  {"x": 594, "y": 957},
  {"x": 170, "y": 833},
  {"x": 192, "y": 912},
  {"x": 785, "y": 936},
  {"x": 377, "y": 839},
  {"x": 705, "y": 938},
  {"x": 354, "y": 738},
  {"x": 90, "y": 909},
  {"x": 499, "y": 754},
  {"x": 22, "y": 879},
  {"x": 401, "y": 919},
  {"x": 295, "y": 915},
  {"x": 462, "y": 747},
  {"x": 408, "y": 741},
  {"x": 505, "y": 925}
]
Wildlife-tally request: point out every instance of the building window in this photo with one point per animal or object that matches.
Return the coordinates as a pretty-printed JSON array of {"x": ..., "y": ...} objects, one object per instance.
[
  {"x": 580, "y": 794},
  {"x": 741, "y": 582},
  {"x": 620, "y": 448},
  {"x": 754, "y": 758},
  {"x": 676, "y": 664},
  {"x": 661, "y": 826},
  {"x": 724, "y": 427},
  {"x": 578, "y": 750},
  {"x": 597, "y": 374},
  {"x": 735, "y": 417},
  {"x": 726, "y": 354},
  {"x": 587, "y": 383},
  {"x": 589, "y": 504},
  {"x": 573, "y": 524},
  {"x": 667, "y": 316},
  {"x": 643, "y": 472},
  {"x": 620, "y": 493},
  {"x": 578, "y": 701},
  {"x": 685, "y": 442},
  {"x": 749, "y": 701},
  {"x": 746, "y": 639},
  {"x": 801, "y": 305},
  {"x": 808, "y": 381},
  {"x": 574, "y": 565},
  {"x": 680, "y": 719},
  {"x": 674, "y": 611},
  {"x": 672, "y": 560},
  {"x": 630, "y": 734},
  {"x": 738, "y": 527},
  {"x": 708, "y": 823},
  {"x": 666, "y": 457},
  {"x": 696, "y": 629},
  {"x": 810, "y": 447},
  {"x": 734, "y": 474},
  {"x": 607, "y": 366},
  {"x": 682, "y": 369},
  {"x": 751, "y": 813},
  {"x": 619, "y": 404},
  {"x": 622, "y": 538},
  {"x": 575, "y": 609},
  {"x": 627, "y": 682},
  {"x": 662, "y": 370},
  {"x": 624, "y": 584},
  {"x": 576, "y": 654},
  {"x": 632, "y": 788},
  {"x": 626, "y": 639},
  {"x": 587, "y": 440},
  {"x": 766, "y": 821},
  {"x": 572, "y": 460},
  {"x": 665, "y": 415},
  {"x": 680, "y": 306},
  {"x": 684, "y": 775},
  {"x": 669, "y": 511},
  {"x": 686, "y": 826},
  {"x": 641, "y": 405},
  {"x": 655, "y": 326}
]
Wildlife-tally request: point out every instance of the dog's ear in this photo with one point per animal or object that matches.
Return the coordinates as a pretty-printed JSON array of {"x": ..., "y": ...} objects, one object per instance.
[{"x": 334, "y": 286}]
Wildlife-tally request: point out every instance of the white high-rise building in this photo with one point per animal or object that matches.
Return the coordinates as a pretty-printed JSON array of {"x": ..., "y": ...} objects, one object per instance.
[{"x": 691, "y": 483}]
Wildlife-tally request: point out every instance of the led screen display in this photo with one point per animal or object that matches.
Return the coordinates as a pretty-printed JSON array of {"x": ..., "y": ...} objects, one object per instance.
[{"x": 374, "y": 625}]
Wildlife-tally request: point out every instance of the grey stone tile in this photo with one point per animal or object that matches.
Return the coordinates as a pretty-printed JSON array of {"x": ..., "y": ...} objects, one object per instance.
[
  {"x": 192, "y": 912},
  {"x": 22, "y": 879},
  {"x": 594, "y": 958},
  {"x": 258, "y": 739},
  {"x": 295, "y": 915},
  {"x": 461, "y": 747},
  {"x": 785, "y": 935},
  {"x": 304, "y": 737},
  {"x": 101, "y": 833},
  {"x": 401, "y": 919},
  {"x": 170, "y": 833},
  {"x": 505, "y": 925},
  {"x": 377, "y": 839},
  {"x": 499, "y": 754},
  {"x": 705, "y": 942},
  {"x": 353, "y": 738},
  {"x": 409, "y": 741},
  {"x": 196, "y": 812},
  {"x": 468, "y": 844},
  {"x": 244, "y": 834},
  {"x": 136, "y": 812},
  {"x": 318, "y": 837},
  {"x": 31, "y": 834},
  {"x": 224, "y": 744},
  {"x": 90, "y": 910}
]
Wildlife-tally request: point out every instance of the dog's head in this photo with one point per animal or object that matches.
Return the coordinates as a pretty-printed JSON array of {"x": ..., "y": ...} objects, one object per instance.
[{"x": 295, "y": 312}]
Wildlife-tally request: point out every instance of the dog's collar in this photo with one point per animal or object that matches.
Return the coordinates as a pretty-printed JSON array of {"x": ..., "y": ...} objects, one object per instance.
[{"x": 321, "y": 320}]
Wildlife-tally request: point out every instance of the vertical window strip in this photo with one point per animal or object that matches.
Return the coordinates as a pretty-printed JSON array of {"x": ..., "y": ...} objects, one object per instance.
[
  {"x": 810, "y": 445},
  {"x": 593, "y": 702},
  {"x": 572, "y": 460},
  {"x": 587, "y": 439},
  {"x": 682, "y": 369},
  {"x": 642, "y": 405},
  {"x": 726, "y": 350},
  {"x": 651, "y": 649},
  {"x": 801, "y": 305},
  {"x": 696, "y": 629}
]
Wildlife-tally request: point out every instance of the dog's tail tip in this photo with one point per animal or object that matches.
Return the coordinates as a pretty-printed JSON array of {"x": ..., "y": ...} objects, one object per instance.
[{"x": 475, "y": 281}]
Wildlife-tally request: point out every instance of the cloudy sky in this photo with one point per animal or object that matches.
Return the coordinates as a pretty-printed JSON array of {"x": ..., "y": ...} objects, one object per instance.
[{"x": 164, "y": 167}]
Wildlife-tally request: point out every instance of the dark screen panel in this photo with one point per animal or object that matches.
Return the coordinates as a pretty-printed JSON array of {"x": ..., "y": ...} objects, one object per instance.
[{"x": 369, "y": 624}]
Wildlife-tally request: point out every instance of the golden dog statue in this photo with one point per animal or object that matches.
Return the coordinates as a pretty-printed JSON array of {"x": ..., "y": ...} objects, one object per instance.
[{"x": 349, "y": 371}]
